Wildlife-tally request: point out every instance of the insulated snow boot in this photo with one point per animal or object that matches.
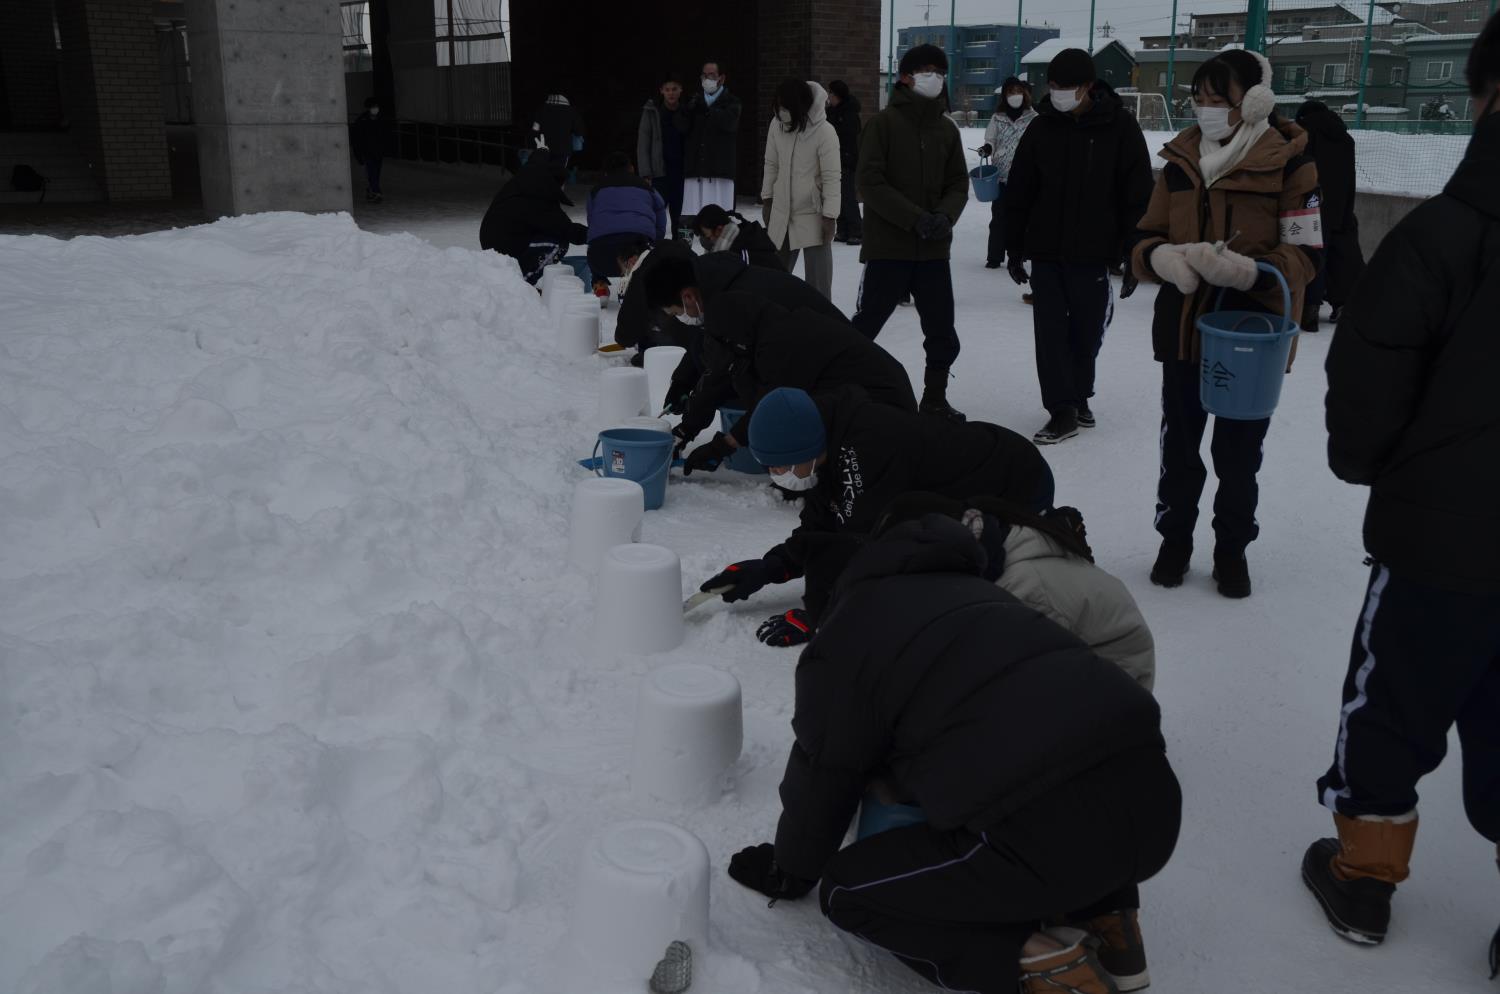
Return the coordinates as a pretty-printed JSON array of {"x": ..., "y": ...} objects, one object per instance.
[
  {"x": 1171, "y": 563},
  {"x": 1062, "y": 426},
  {"x": 1074, "y": 969},
  {"x": 1026, "y": 298},
  {"x": 1354, "y": 876},
  {"x": 1085, "y": 416},
  {"x": 935, "y": 396},
  {"x": 1121, "y": 951},
  {"x": 1232, "y": 574}
]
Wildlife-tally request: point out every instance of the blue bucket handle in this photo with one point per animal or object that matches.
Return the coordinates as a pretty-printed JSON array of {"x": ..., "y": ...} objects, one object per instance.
[
  {"x": 599, "y": 463},
  {"x": 1286, "y": 296}
]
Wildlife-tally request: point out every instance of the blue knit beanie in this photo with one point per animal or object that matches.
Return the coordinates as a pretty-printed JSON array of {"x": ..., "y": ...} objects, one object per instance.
[{"x": 786, "y": 428}]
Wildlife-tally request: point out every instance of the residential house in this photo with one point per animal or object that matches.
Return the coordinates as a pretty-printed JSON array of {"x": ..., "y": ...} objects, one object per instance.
[
  {"x": 1114, "y": 63},
  {"x": 1329, "y": 71},
  {"x": 1449, "y": 18},
  {"x": 1436, "y": 72}
]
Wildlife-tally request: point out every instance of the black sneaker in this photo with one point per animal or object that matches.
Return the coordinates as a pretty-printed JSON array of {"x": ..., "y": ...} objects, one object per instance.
[
  {"x": 1171, "y": 564},
  {"x": 937, "y": 405},
  {"x": 854, "y": 240},
  {"x": 1085, "y": 416},
  {"x": 1360, "y": 909},
  {"x": 992, "y": 264},
  {"x": 1232, "y": 574},
  {"x": 1059, "y": 428}
]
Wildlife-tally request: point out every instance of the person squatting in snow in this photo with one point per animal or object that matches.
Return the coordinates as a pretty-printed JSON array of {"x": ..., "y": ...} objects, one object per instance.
[
  {"x": 1412, "y": 415},
  {"x": 622, "y": 210},
  {"x": 526, "y": 220},
  {"x": 1237, "y": 189},
  {"x": 719, "y": 230},
  {"x": 851, "y": 457},
  {"x": 1027, "y": 862},
  {"x": 758, "y": 336}
]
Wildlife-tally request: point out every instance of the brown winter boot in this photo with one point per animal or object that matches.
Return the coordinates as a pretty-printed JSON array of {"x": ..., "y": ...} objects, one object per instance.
[
  {"x": 1354, "y": 876},
  {"x": 1071, "y": 970},
  {"x": 1121, "y": 951},
  {"x": 1375, "y": 848}
]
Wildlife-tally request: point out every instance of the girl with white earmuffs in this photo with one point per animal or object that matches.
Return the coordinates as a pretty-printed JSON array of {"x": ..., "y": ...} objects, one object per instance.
[{"x": 1238, "y": 188}]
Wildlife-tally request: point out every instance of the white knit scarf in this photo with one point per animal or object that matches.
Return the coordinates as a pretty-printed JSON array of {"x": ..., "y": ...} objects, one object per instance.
[
  {"x": 727, "y": 236},
  {"x": 1216, "y": 161}
]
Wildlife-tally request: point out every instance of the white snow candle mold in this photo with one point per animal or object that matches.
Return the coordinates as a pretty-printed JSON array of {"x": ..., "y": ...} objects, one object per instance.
[
  {"x": 623, "y": 393},
  {"x": 689, "y": 728},
  {"x": 607, "y": 512},
  {"x": 642, "y": 885},
  {"x": 638, "y": 600},
  {"x": 660, "y": 362},
  {"x": 563, "y": 289},
  {"x": 552, "y": 272},
  {"x": 578, "y": 330}
]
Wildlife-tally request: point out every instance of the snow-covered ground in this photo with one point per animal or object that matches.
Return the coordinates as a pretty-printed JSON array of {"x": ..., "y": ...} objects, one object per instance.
[{"x": 296, "y": 692}]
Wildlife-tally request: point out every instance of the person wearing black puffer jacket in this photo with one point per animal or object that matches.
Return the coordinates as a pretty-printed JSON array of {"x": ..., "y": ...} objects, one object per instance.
[
  {"x": 1080, "y": 181},
  {"x": 1332, "y": 148},
  {"x": 843, "y": 114},
  {"x": 850, "y": 457},
  {"x": 526, "y": 220},
  {"x": 1412, "y": 415},
  {"x": 929, "y": 679}
]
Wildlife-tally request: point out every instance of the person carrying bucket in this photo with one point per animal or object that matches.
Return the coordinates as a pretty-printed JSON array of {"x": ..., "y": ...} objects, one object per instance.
[
  {"x": 1013, "y": 115},
  {"x": 851, "y": 457},
  {"x": 1237, "y": 189},
  {"x": 1038, "y": 767}
]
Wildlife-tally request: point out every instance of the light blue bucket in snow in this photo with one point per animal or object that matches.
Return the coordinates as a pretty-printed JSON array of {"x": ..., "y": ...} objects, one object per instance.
[
  {"x": 876, "y": 817},
  {"x": 580, "y": 264},
  {"x": 1244, "y": 357},
  {"x": 986, "y": 180},
  {"x": 740, "y": 460},
  {"x": 638, "y": 454}
]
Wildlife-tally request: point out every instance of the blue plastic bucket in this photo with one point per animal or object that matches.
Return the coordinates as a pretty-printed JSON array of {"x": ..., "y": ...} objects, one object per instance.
[
  {"x": 740, "y": 460},
  {"x": 986, "y": 180},
  {"x": 875, "y": 817},
  {"x": 1244, "y": 357},
  {"x": 580, "y": 264},
  {"x": 638, "y": 454}
]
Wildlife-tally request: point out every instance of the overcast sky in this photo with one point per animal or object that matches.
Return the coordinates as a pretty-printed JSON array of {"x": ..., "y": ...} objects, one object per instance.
[{"x": 1129, "y": 18}]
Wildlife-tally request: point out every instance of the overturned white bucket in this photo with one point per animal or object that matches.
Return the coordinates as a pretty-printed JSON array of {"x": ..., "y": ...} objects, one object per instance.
[
  {"x": 642, "y": 886},
  {"x": 578, "y": 330},
  {"x": 689, "y": 728},
  {"x": 560, "y": 292},
  {"x": 638, "y": 602},
  {"x": 623, "y": 393},
  {"x": 660, "y": 362},
  {"x": 607, "y": 511}
]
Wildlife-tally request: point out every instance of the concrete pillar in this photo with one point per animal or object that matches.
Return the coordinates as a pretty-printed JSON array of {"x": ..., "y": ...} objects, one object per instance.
[
  {"x": 268, "y": 102},
  {"x": 112, "y": 95}
]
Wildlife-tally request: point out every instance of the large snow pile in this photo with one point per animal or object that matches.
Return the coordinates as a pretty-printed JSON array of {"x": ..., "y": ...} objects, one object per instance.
[{"x": 296, "y": 693}]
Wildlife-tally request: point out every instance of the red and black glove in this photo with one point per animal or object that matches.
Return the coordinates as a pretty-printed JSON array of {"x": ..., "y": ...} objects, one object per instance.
[
  {"x": 746, "y": 577},
  {"x": 785, "y": 630},
  {"x": 755, "y": 867}
]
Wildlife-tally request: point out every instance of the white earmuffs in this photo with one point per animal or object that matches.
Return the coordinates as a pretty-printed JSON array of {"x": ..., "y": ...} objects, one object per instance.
[{"x": 1259, "y": 100}]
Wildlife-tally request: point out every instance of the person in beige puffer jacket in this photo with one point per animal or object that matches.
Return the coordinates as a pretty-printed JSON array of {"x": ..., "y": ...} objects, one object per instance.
[{"x": 802, "y": 187}]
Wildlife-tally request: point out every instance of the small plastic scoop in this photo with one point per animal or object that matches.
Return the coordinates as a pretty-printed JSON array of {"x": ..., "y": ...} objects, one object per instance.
[{"x": 704, "y": 596}]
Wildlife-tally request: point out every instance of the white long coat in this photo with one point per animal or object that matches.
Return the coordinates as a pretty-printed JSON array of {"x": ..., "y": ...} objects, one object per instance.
[{"x": 802, "y": 177}]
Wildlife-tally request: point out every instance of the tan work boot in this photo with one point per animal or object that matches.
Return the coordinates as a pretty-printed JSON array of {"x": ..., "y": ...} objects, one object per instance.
[
  {"x": 1074, "y": 969},
  {"x": 1354, "y": 876}
]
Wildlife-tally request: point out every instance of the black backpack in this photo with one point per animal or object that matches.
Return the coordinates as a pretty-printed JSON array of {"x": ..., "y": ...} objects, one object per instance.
[{"x": 25, "y": 179}]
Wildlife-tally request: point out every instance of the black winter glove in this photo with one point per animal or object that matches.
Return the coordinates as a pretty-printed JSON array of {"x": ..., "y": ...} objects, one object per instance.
[
  {"x": 755, "y": 867},
  {"x": 933, "y": 226},
  {"x": 1017, "y": 270},
  {"x": 785, "y": 630},
  {"x": 1128, "y": 283},
  {"x": 676, "y": 400},
  {"x": 985, "y": 151},
  {"x": 708, "y": 455},
  {"x": 746, "y": 577}
]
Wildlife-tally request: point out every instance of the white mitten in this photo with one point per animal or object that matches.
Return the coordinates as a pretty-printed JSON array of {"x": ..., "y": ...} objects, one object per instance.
[
  {"x": 1222, "y": 267},
  {"x": 1169, "y": 262}
]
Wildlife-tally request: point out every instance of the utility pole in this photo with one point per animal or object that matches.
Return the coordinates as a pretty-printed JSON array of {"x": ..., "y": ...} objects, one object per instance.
[
  {"x": 1364, "y": 65},
  {"x": 1015, "y": 66},
  {"x": 1092, "y": 5},
  {"x": 890, "y": 55},
  {"x": 953, "y": 43},
  {"x": 1172, "y": 68}
]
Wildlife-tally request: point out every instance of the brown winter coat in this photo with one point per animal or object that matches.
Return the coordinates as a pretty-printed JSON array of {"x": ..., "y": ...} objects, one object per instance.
[{"x": 1271, "y": 188}]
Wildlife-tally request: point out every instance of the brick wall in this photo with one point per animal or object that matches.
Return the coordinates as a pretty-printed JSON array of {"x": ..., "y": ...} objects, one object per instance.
[
  {"x": 113, "y": 95},
  {"x": 28, "y": 55}
]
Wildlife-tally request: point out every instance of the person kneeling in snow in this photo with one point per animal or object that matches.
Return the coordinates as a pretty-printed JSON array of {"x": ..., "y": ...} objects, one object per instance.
[
  {"x": 852, "y": 457},
  {"x": 526, "y": 220},
  {"x": 1044, "y": 561},
  {"x": 724, "y": 231},
  {"x": 930, "y": 678}
]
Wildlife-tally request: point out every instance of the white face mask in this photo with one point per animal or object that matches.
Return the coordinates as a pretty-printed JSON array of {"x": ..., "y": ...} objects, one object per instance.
[
  {"x": 1016, "y": 99},
  {"x": 791, "y": 481},
  {"x": 374, "y": 111},
  {"x": 710, "y": 85},
  {"x": 927, "y": 84},
  {"x": 1214, "y": 122},
  {"x": 1065, "y": 100},
  {"x": 692, "y": 320}
]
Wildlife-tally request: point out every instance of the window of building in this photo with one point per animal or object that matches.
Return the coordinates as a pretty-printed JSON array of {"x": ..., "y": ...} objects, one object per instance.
[
  {"x": 1439, "y": 71},
  {"x": 979, "y": 65},
  {"x": 1292, "y": 78},
  {"x": 1335, "y": 73},
  {"x": 1161, "y": 78},
  {"x": 1398, "y": 74},
  {"x": 1439, "y": 16},
  {"x": 1473, "y": 14}
]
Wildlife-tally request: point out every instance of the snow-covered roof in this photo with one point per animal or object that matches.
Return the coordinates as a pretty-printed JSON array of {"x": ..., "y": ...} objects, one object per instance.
[
  {"x": 1359, "y": 12},
  {"x": 1048, "y": 50},
  {"x": 1437, "y": 39},
  {"x": 1161, "y": 54}
]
